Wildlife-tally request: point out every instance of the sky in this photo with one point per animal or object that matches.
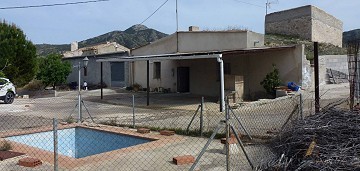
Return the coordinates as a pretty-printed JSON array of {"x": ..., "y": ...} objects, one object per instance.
[{"x": 65, "y": 24}]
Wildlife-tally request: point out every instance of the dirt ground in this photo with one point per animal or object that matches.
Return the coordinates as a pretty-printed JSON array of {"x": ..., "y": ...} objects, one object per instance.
[{"x": 166, "y": 110}]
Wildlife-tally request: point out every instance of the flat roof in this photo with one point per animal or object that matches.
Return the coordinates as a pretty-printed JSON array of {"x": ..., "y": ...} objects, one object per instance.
[{"x": 193, "y": 55}]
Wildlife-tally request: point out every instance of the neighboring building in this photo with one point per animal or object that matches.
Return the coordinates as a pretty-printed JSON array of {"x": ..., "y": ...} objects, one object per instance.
[
  {"x": 307, "y": 22},
  {"x": 333, "y": 69},
  {"x": 115, "y": 74},
  {"x": 246, "y": 62}
]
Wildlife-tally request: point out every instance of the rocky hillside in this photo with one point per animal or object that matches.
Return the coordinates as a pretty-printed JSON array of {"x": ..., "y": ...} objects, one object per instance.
[
  {"x": 351, "y": 35},
  {"x": 135, "y": 36}
]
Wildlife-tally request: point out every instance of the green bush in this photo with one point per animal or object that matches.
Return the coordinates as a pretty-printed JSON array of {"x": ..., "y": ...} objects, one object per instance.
[
  {"x": 34, "y": 85},
  {"x": 5, "y": 145},
  {"x": 271, "y": 81}
]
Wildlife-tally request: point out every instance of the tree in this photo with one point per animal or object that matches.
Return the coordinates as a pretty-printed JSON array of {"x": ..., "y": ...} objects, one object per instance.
[
  {"x": 53, "y": 71},
  {"x": 17, "y": 55}
]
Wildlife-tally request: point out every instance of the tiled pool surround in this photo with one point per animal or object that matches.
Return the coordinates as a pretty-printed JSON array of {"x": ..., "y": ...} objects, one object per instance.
[
  {"x": 156, "y": 141},
  {"x": 79, "y": 142}
]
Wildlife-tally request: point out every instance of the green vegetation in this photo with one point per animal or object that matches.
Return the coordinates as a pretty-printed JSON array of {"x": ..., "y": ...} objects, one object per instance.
[
  {"x": 5, "y": 145},
  {"x": 70, "y": 120},
  {"x": 53, "y": 70},
  {"x": 133, "y": 37},
  {"x": 18, "y": 55},
  {"x": 271, "y": 80},
  {"x": 324, "y": 48}
]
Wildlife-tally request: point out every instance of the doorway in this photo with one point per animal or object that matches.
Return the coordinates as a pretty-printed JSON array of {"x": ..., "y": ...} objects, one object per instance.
[{"x": 183, "y": 79}]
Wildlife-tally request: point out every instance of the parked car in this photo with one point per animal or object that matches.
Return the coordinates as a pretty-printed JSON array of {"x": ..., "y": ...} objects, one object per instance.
[{"x": 7, "y": 91}]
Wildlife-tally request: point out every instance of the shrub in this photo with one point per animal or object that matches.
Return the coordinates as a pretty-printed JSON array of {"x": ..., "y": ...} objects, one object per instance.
[
  {"x": 271, "y": 81},
  {"x": 5, "y": 145},
  {"x": 34, "y": 85}
]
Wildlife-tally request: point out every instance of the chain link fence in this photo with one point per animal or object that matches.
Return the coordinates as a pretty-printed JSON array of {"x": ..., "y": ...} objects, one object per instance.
[{"x": 176, "y": 131}]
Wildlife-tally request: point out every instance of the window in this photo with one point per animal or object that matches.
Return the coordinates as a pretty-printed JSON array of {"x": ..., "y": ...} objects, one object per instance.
[
  {"x": 2, "y": 81},
  {"x": 157, "y": 70}
]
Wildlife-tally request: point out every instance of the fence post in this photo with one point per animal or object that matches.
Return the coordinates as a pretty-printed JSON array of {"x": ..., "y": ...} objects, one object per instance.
[
  {"x": 301, "y": 107},
  {"x": 201, "y": 116},
  {"x": 55, "y": 144},
  {"x": 133, "y": 109}
]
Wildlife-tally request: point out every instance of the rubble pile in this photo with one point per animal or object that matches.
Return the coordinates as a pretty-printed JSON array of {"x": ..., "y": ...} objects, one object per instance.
[{"x": 329, "y": 140}]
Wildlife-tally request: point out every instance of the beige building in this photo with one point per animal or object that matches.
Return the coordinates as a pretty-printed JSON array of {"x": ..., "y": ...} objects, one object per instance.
[
  {"x": 189, "y": 62},
  {"x": 307, "y": 22},
  {"x": 115, "y": 74}
]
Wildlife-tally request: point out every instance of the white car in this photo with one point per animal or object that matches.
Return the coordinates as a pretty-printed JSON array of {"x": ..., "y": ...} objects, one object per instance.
[{"x": 7, "y": 91}]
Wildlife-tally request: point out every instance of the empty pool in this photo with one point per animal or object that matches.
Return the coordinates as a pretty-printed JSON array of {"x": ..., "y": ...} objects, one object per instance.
[{"x": 79, "y": 142}]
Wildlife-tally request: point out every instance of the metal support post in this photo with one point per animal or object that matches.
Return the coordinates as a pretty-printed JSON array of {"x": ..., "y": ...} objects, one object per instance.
[
  {"x": 201, "y": 116},
  {"x": 301, "y": 107},
  {"x": 206, "y": 146},
  {"x": 101, "y": 80},
  {"x": 147, "y": 83},
  {"x": 79, "y": 95},
  {"x": 227, "y": 145},
  {"x": 55, "y": 135},
  {"x": 222, "y": 84},
  {"x": 316, "y": 71},
  {"x": 133, "y": 109}
]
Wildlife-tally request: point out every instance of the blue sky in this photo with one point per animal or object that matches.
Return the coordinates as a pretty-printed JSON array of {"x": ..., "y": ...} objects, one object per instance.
[{"x": 64, "y": 24}]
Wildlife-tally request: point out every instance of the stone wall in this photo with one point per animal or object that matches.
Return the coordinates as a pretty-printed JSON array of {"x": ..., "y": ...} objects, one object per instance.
[
  {"x": 333, "y": 69},
  {"x": 307, "y": 22}
]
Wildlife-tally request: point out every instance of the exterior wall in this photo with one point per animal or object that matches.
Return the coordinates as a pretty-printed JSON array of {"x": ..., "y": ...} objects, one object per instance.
[
  {"x": 335, "y": 66},
  {"x": 326, "y": 28},
  {"x": 94, "y": 72},
  {"x": 202, "y": 41},
  {"x": 165, "y": 45},
  {"x": 215, "y": 41},
  {"x": 289, "y": 62},
  {"x": 191, "y": 42},
  {"x": 307, "y": 22},
  {"x": 203, "y": 76}
]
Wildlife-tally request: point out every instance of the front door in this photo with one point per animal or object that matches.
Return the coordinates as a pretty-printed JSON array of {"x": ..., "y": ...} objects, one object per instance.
[
  {"x": 117, "y": 74},
  {"x": 183, "y": 79}
]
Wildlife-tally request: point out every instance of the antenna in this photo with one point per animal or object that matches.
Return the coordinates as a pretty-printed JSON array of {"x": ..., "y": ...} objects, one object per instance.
[
  {"x": 177, "y": 19},
  {"x": 269, "y": 3}
]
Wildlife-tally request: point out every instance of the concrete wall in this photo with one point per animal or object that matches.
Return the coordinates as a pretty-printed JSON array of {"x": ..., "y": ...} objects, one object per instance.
[
  {"x": 94, "y": 72},
  {"x": 202, "y": 41},
  {"x": 307, "y": 22},
  {"x": 199, "y": 41},
  {"x": 204, "y": 73},
  {"x": 333, "y": 69},
  {"x": 289, "y": 62},
  {"x": 165, "y": 45},
  {"x": 215, "y": 41}
]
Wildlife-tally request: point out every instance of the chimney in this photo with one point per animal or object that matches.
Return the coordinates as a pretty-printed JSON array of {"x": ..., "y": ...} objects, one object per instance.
[
  {"x": 194, "y": 28},
  {"x": 74, "y": 46}
]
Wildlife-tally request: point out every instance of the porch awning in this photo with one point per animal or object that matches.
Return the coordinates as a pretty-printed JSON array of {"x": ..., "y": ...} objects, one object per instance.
[
  {"x": 176, "y": 56},
  {"x": 194, "y": 55}
]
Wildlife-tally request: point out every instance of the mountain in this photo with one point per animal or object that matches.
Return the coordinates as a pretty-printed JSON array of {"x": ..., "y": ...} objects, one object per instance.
[
  {"x": 133, "y": 37},
  {"x": 351, "y": 35}
]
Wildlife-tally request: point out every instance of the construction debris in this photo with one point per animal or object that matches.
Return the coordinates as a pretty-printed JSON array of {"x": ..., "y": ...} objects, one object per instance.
[{"x": 329, "y": 140}]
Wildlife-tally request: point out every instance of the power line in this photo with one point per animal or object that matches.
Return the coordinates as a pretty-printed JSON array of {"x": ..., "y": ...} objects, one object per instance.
[
  {"x": 154, "y": 12},
  {"x": 51, "y": 5},
  {"x": 250, "y": 4}
]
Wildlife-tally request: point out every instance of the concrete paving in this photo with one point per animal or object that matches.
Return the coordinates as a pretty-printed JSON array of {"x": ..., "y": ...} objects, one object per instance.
[{"x": 165, "y": 111}]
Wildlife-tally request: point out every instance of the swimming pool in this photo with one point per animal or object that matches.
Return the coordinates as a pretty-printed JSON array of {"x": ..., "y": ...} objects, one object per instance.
[{"x": 79, "y": 142}]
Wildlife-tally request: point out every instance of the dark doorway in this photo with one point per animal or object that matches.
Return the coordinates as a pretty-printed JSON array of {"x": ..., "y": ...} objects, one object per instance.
[
  {"x": 117, "y": 74},
  {"x": 183, "y": 79}
]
